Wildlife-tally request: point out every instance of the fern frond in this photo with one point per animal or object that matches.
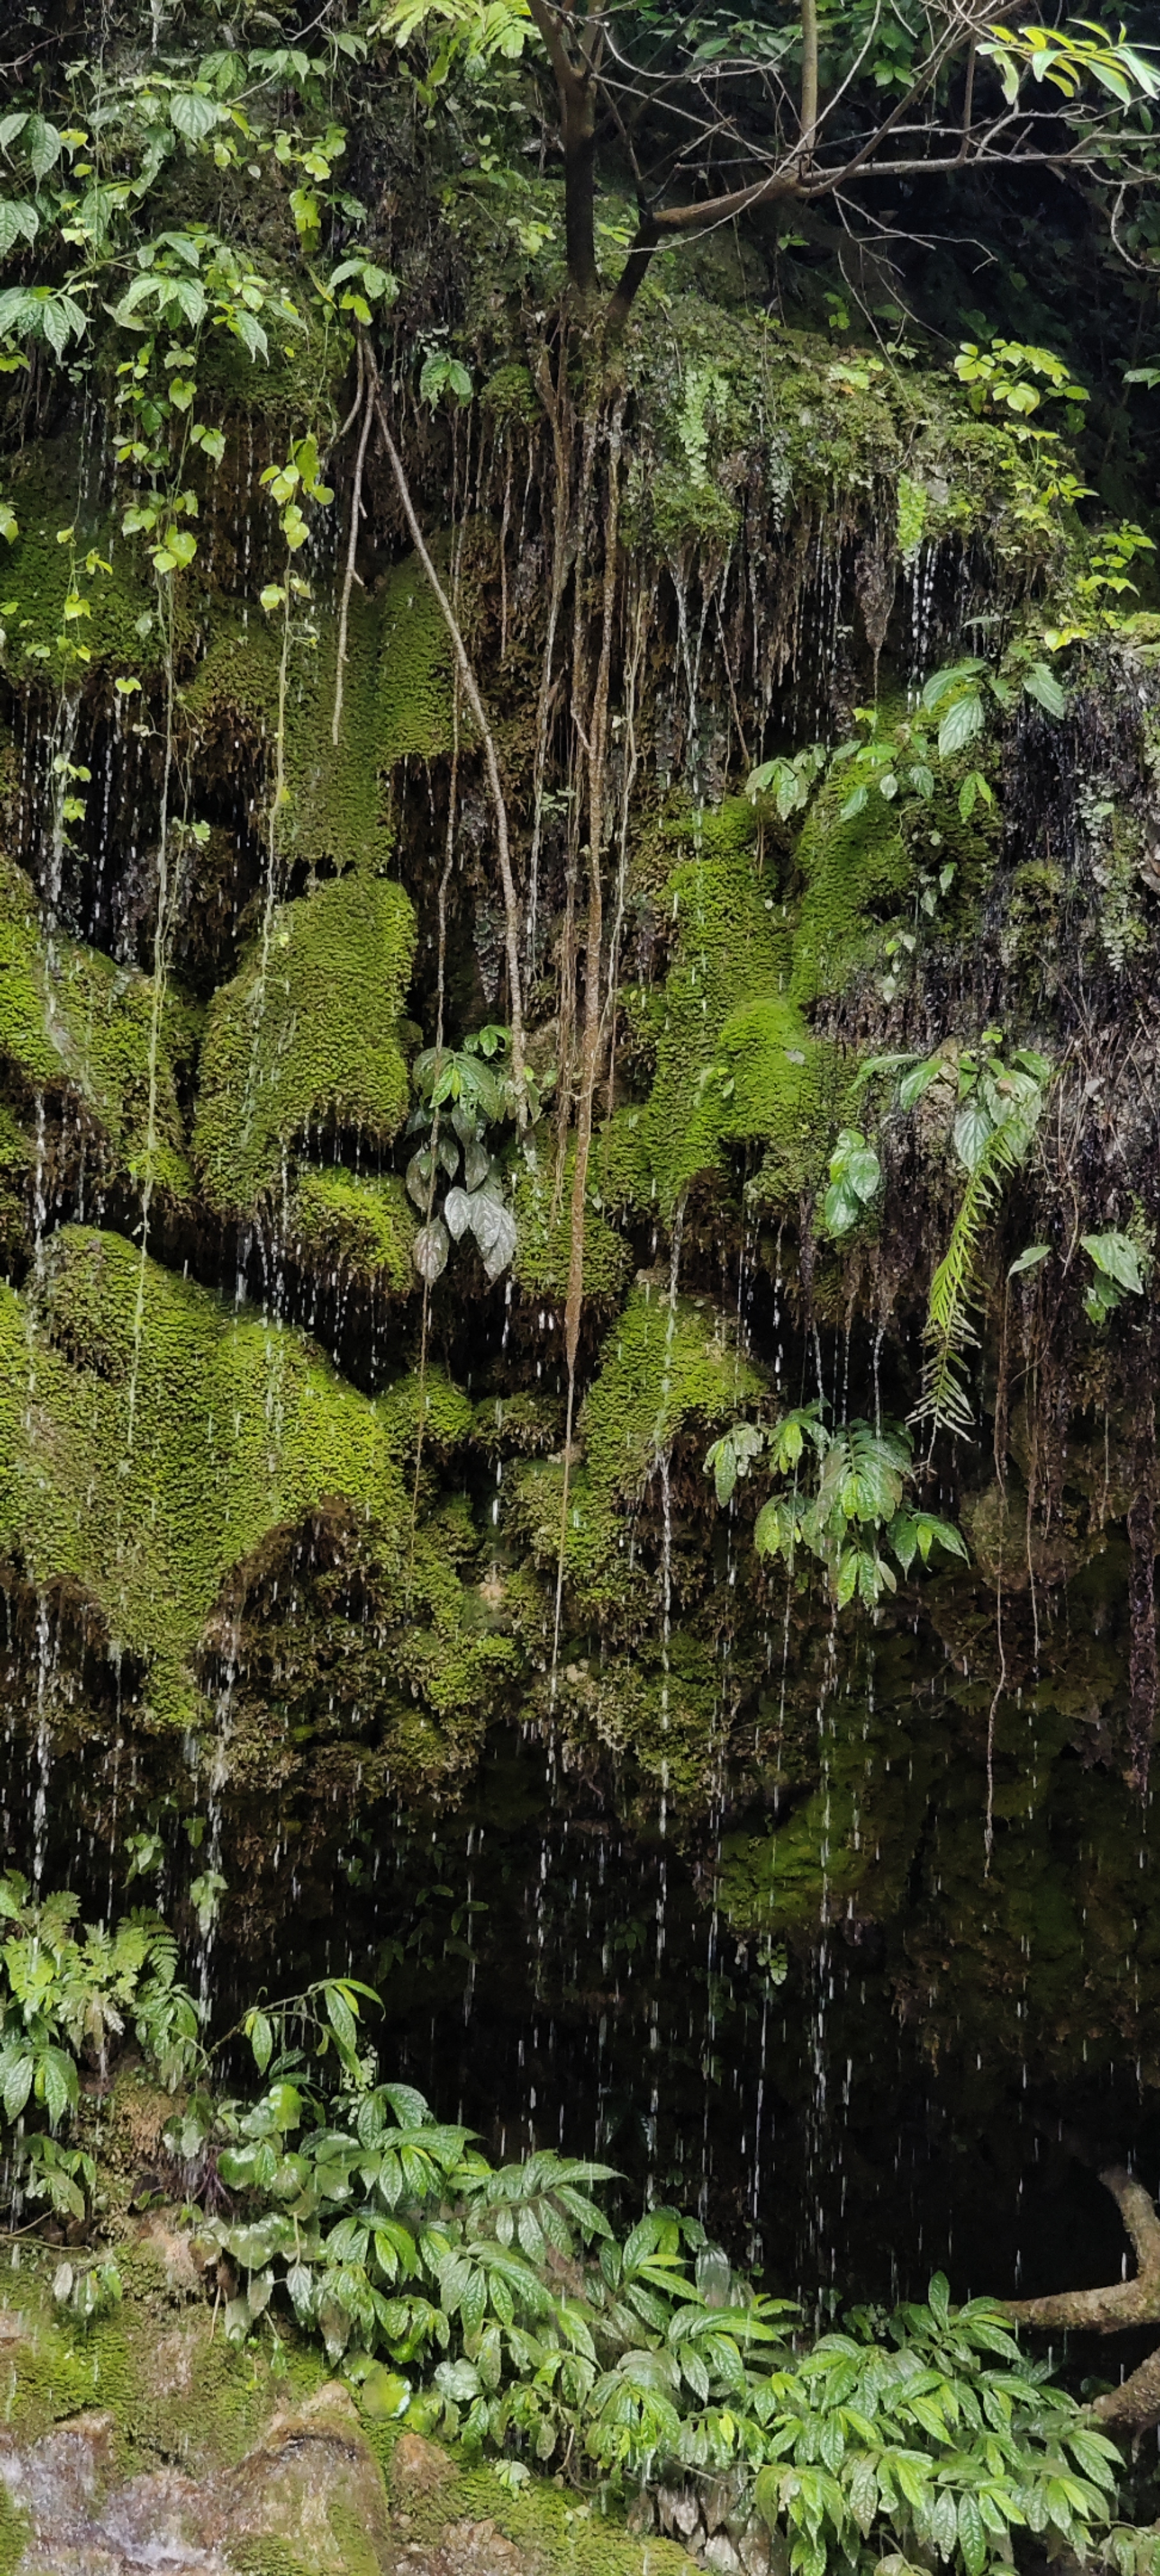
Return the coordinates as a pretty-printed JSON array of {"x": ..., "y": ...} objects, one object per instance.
[{"x": 950, "y": 1330}]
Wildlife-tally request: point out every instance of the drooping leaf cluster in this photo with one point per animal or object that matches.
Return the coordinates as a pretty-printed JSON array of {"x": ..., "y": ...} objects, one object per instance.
[{"x": 841, "y": 1498}]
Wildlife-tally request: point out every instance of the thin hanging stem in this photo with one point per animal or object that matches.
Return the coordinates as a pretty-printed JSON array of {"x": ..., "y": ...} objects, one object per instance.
[
  {"x": 352, "y": 546},
  {"x": 596, "y": 750},
  {"x": 475, "y": 702},
  {"x": 157, "y": 1002}
]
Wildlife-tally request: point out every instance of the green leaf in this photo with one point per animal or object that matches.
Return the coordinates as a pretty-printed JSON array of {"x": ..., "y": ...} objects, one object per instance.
[
  {"x": 1030, "y": 1259},
  {"x": 194, "y": 115},
  {"x": 973, "y": 1130},
  {"x": 18, "y": 222},
  {"x": 960, "y": 724},
  {"x": 17, "y": 2085},
  {"x": 939, "y": 2299},
  {"x": 973, "y": 787},
  {"x": 919, "y": 1080},
  {"x": 43, "y": 145},
  {"x": 339, "y": 2015},
  {"x": 1041, "y": 684},
  {"x": 260, "y": 2034},
  {"x": 944, "y": 2524},
  {"x": 972, "y": 2537},
  {"x": 1116, "y": 1255}
]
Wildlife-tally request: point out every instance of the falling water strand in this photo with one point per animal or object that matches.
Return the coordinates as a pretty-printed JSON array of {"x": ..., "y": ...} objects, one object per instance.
[{"x": 166, "y": 907}]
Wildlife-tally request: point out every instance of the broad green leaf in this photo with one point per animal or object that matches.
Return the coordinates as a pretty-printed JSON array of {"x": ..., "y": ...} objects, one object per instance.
[
  {"x": 973, "y": 1130},
  {"x": 962, "y": 721},
  {"x": 1116, "y": 1255},
  {"x": 193, "y": 115},
  {"x": 18, "y": 222},
  {"x": 972, "y": 2537},
  {"x": 1041, "y": 684},
  {"x": 918, "y": 1080},
  {"x": 43, "y": 144},
  {"x": 1030, "y": 1259}
]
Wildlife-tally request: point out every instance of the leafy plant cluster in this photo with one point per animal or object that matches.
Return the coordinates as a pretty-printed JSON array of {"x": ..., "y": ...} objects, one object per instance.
[
  {"x": 475, "y": 1086},
  {"x": 997, "y": 1105},
  {"x": 500, "y": 2307},
  {"x": 842, "y": 1500},
  {"x": 66, "y": 1998}
]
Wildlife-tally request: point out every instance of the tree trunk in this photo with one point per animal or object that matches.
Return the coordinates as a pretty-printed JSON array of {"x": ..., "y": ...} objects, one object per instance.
[
  {"x": 576, "y": 89},
  {"x": 1135, "y": 2405},
  {"x": 578, "y": 134},
  {"x": 809, "y": 114}
]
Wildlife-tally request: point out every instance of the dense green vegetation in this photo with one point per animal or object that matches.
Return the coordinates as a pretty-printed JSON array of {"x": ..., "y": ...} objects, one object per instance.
[
  {"x": 579, "y": 962},
  {"x": 499, "y": 2307}
]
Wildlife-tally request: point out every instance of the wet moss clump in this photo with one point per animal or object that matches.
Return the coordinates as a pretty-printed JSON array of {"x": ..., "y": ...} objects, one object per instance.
[
  {"x": 307, "y": 1035},
  {"x": 79, "y": 1027},
  {"x": 152, "y": 1438},
  {"x": 354, "y": 1228},
  {"x": 665, "y": 1364}
]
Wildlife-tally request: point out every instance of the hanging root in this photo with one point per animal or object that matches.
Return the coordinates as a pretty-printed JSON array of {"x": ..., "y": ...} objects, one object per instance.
[
  {"x": 479, "y": 713},
  {"x": 352, "y": 546},
  {"x": 595, "y": 740},
  {"x": 1142, "y": 1598}
]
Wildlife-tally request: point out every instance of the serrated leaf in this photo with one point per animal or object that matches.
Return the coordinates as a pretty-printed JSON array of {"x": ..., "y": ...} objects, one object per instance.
[
  {"x": 1116, "y": 1255},
  {"x": 43, "y": 144},
  {"x": 972, "y": 2537},
  {"x": 18, "y": 222},
  {"x": 973, "y": 1129},
  {"x": 962, "y": 721},
  {"x": 1041, "y": 684},
  {"x": 193, "y": 115}
]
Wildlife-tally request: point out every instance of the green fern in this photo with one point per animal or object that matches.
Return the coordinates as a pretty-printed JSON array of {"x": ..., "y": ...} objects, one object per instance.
[{"x": 991, "y": 1157}]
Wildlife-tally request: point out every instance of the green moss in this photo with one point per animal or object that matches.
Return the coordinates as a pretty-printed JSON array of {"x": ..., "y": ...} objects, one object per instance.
[
  {"x": 119, "y": 633},
  {"x": 664, "y": 1366},
  {"x": 509, "y": 394},
  {"x": 361, "y": 1229},
  {"x": 72, "y": 1021},
  {"x": 663, "y": 1726},
  {"x": 734, "y": 401},
  {"x": 445, "y": 1412},
  {"x": 542, "y": 1199},
  {"x": 413, "y": 682},
  {"x": 15, "y": 2534},
  {"x": 851, "y": 869},
  {"x": 561, "y": 2535},
  {"x": 852, "y": 1839},
  {"x": 735, "y": 1060},
  {"x": 306, "y": 1034},
  {"x": 143, "y": 1467},
  {"x": 396, "y": 704}
]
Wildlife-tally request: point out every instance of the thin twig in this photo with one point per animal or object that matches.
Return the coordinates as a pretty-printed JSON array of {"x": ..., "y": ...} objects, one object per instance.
[
  {"x": 475, "y": 702},
  {"x": 351, "y": 550}
]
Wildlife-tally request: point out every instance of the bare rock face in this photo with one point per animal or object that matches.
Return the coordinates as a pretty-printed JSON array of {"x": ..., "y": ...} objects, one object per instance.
[
  {"x": 310, "y": 2483},
  {"x": 309, "y": 2494}
]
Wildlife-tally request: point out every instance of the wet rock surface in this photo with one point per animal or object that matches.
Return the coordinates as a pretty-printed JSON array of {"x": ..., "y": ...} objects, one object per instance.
[{"x": 310, "y": 2484}]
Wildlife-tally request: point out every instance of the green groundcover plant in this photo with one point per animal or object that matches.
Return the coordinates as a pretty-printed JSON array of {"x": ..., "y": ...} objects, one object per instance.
[{"x": 498, "y": 2307}]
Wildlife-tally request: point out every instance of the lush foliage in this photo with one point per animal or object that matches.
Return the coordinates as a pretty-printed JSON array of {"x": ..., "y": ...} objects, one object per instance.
[
  {"x": 500, "y": 2306},
  {"x": 847, "y": 1507},
  {"x": 66, "y": 1997},
  {"x": 997, "y": 1105},
  {"x": 462, "y": 1095}
]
